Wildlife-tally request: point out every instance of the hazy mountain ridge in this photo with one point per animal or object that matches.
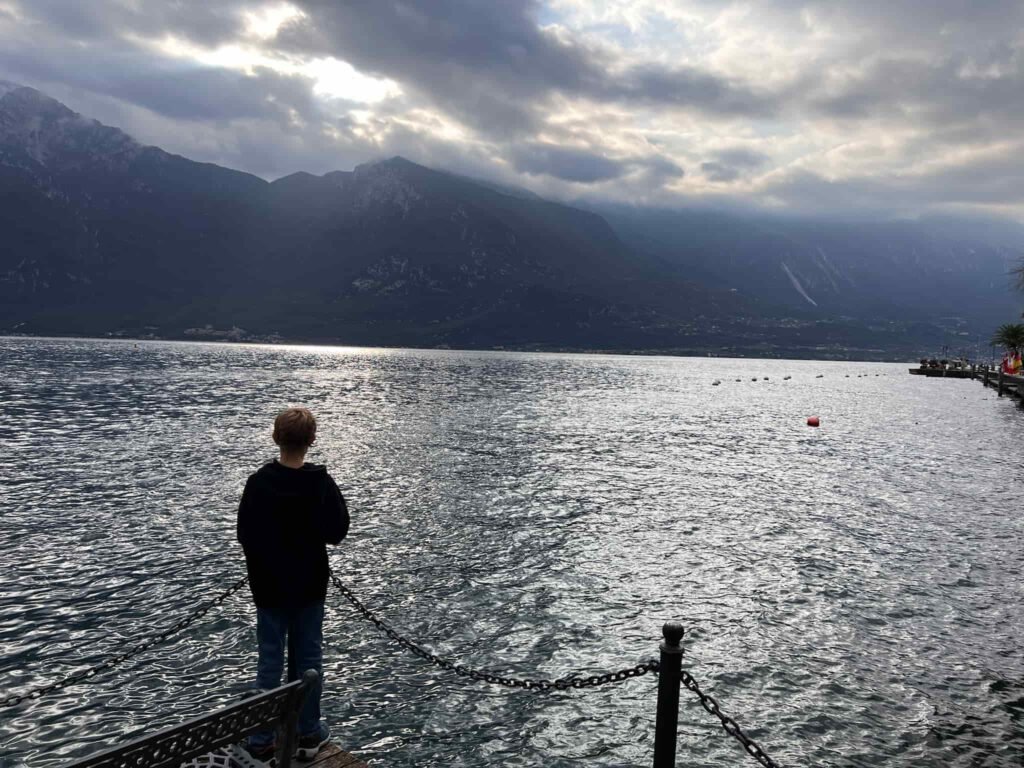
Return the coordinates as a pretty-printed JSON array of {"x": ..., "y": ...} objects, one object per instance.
[
  {"x": 105, "y": 235},
  {"x": 922, "y": 270}
]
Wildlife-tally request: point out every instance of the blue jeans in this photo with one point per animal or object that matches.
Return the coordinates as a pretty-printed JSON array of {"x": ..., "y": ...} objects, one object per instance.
[{"x": 299, "y": 631}]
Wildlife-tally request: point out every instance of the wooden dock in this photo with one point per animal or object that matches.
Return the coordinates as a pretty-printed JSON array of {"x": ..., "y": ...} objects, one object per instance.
[
  {"x": 946, "y": 373},
  {"x": 1004, "y": 383}
]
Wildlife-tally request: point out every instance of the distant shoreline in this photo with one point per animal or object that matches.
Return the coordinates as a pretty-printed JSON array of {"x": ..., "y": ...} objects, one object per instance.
[{"x": 784, "y": 354}]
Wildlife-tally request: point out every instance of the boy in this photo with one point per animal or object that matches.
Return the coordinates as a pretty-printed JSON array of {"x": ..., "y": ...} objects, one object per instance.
[{"x": 288, "y": 512}]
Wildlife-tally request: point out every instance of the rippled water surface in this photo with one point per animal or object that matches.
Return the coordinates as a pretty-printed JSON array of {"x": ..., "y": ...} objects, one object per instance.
[{"x": 852, "y": 594}]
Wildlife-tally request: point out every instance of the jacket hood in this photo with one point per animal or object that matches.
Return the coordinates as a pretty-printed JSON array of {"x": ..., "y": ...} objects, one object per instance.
[
  {"x": 308, "y": 476},
  {"x": 276, "y": 466}
]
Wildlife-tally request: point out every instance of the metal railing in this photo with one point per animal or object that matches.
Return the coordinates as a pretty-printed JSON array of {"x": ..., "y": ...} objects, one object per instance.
[{"x": 169, "y": 748}]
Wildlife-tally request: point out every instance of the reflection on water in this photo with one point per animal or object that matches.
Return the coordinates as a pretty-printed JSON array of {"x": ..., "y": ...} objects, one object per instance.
[{"x": 853, "y": 594}]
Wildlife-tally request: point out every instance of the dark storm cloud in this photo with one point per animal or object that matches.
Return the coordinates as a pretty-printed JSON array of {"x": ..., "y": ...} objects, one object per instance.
[
  {"x": 740, "y": 157},
  {"x": 904, "y": 88},
  {"x": 732, "y": 164},
  {"x": 485, "y": 62},
  {"x": 203, "y": 21},
  {"x": 660, "y": 169},
  {"x": 913, "y": 23},
  {"x": 565, "y": 163},
  {"x": 492, "y": 65},
  {"x": 204, "y": 93},
  {"x": 583, "y": 166},
  {"x": 920, "y": 61},
  {"x": 997, "y": 180},
  {"x": 168, "y": 86},
  {"x": 933, "y": 92},
  {"x": 719, "y": 172},
  {"x": 688, "y": 87},
  {"x": 264, "y": 121}
]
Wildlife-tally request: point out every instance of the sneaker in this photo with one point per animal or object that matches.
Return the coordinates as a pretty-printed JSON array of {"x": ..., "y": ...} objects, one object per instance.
[
  {"x": 310, "y": 744},
  {"x": 249, "y": 756},
  {"x": 219, "y": 758}
]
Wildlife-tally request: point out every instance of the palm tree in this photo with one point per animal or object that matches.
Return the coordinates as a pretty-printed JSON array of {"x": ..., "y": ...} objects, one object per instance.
[
  {"x": 1010, "y": 336},
  {"x": 1018, "y": 276}
]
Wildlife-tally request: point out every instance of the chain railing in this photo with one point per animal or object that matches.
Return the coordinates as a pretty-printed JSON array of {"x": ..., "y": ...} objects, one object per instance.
[
  {"x": 668, "y": 691},
  {"x": 668, "y": 668},
  {"x": 529, "y": 684},
  {"x": 120, "y": 658},
  {"x": 731, "y": 726}
]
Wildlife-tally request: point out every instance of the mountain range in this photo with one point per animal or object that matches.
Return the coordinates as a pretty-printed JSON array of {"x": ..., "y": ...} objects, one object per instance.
[{"x": 104, "y": 236}]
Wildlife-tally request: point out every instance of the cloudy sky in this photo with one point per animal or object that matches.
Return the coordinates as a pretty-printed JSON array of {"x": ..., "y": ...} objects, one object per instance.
[{"x": 878, "y": 106}]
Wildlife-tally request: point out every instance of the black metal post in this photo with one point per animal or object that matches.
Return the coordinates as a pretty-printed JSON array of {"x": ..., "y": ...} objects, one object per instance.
[
  {"x": 1000, "y": 385},
  {"x": 667, "y": 722}
]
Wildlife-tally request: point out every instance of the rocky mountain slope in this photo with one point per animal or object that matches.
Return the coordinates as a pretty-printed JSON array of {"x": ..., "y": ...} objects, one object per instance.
[{"x": 106, "y": 236}]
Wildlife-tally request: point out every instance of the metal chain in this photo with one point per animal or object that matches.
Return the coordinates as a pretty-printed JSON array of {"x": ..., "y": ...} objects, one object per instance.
[
  {"x": 708, "y": 702},
  {"x": 731, "y": 726},
  {"x": 561, "y": 684},
  {"x": 135, "y": 650}
]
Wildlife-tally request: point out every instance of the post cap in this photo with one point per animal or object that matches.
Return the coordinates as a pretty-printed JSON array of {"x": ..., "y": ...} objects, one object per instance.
[{"x": 672, "y": 631}]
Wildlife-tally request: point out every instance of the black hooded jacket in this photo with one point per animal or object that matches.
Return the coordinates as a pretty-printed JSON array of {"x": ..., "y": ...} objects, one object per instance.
[{"x": 285, "y": 519}]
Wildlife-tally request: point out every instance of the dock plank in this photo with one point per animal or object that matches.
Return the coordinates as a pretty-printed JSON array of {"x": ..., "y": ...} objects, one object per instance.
[{"x": 332, "y": 756}]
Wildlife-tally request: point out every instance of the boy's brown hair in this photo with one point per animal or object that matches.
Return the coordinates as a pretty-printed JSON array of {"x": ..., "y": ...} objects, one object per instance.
[{"x": 294, "y": 429}]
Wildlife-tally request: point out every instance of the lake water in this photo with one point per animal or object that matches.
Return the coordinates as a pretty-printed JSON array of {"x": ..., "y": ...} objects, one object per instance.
[{"x": 853, "y": 594}]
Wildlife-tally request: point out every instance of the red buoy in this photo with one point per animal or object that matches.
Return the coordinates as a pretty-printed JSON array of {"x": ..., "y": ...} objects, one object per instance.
[{"x": 813, "y": 421}]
